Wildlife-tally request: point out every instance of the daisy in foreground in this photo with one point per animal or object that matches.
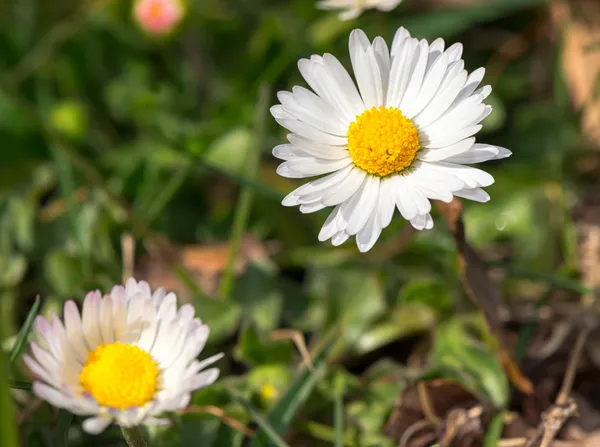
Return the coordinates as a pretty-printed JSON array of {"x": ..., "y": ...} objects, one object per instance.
[
  {"x": 402, "y": 138},
  {"x": 354, "y": 8},
  {"x": 129, "y": 357}
]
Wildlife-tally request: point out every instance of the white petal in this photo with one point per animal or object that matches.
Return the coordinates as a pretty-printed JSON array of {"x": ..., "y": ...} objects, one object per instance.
[
  {"x": 339, "y": 238},
  {"x": 74, "y": 332},
  {"x": 387, "y": 202},
  {"x": 457, "y": 118},
  {"x": 365, "y": 206},
  {"x": 431, "y": 84},
  {"x": 343, "y": 88},
  {"x": 44, "y": 331},
  {"x": 96, "y": 424},
  {"x": 416, "y": 76},
  {"x": 446, "y": 152},
  {"x": 475, "y": 194},
  {"x": 433, "y": 141},
  {"x": 106, "y": 326},
  {"x": 309, "y": 108},
  {"x": 454, "y": 52},
  {"x": 329, "y": 228},
  {"x": 312, "y": 207},
  {"x": 358, "y": 43},
  {"x": 366, "y": 238},
  {"x": 437, "y": 45},
  {"x": 168, "y": 308},
  {"x": 382, "y": 56},
  {"x": 40, "y": 372},
  {"x": 91, "y": 320},
  {"x": 404, "y": 199},
  {"x": 307, "y": 167},
  {"x": 471, "y": 85},
  {"x": 318, "y": 150},
  {"x": 119, "y": 317},
  {"x": 437, "y": 176},
  {"x": 345, "y": 189},
  {"x": 422, "y": 222},
  {"x": 442, "y": 101},
  {"x": 51, "y": 395},
  {"x": 368, "y": 77},
  {"x": 204, "y": 378},
  {"x": 320, "y": 184},
  {"x": 472, "y": 177},
  {"x": 401, "y": 35},
  {"x": 478, "y": 153},
  {"x": 400, "y": 72},
  {"x": 309, "y": 132}
]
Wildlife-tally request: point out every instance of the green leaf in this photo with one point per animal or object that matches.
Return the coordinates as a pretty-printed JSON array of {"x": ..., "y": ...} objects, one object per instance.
[
  {"x": 253, "y": 349},
  {"x": 355, "y": 299},
  {"x": 264, "y": 424},
  {"x": 469, "y": 361},
  {"x": 282, "y": 414},
  {"x": 494, "y": 431},
  {"x": 222, "y": 317},
  {"x": 8, "y": 426},
  {"x": 61, "y": 433},
  {"x": 63, "y": 271},
  {"x": 257, "y": 293},
  {"x": 12, "y": 270},
  {"x": 449, "y": 22},
  {"x": 402, "y": 322},
  {"x": 24, "y": 332}
]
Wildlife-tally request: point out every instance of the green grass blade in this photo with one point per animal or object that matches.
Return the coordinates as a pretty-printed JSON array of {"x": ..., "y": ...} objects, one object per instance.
[
  {"x": 24, "y": 332},
  {"x": 339, "y": 418},
  {"x": 61, "y": 434},
  {"x": 166, "y": 194},
  {"x": 494, "y": 430},
  {"x": 20, "y": 385},
  {"x": 263, "y": 423},
  {"x": 283, "y": 412},
  {"x": 518, "y": 271},
  {"x": 8, "y": 426},
  {"x": 244, "y": 205}
]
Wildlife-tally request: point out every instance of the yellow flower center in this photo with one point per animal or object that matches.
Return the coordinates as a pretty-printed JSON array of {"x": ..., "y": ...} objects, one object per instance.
[
  {"x": 157, "y": 10},
  {"x": 382, "y": 141},
  {"x": 120, "y": 376}
]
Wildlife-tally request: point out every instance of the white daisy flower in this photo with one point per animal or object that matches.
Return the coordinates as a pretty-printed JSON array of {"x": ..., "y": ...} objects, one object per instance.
[
  {"x": 354, "y": 8},
  {"x": 129, "y": 357},
  {"x": 404, "y": 139}
]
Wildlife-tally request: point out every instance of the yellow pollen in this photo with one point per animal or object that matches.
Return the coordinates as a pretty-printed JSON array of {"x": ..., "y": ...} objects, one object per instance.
[
  {"x": 382, "y": 141},
  {"x": 120, "y": 376}
]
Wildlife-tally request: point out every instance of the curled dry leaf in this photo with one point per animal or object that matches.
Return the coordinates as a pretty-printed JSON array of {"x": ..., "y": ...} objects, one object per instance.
[{"x": 430, "y": 402}]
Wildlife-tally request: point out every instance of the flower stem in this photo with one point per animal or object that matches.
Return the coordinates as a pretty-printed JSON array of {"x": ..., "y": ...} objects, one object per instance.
[{"x": 133, "y": 436}]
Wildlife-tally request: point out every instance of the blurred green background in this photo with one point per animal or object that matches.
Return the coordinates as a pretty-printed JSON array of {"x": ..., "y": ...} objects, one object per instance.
[{"x": 106, "y": 131}]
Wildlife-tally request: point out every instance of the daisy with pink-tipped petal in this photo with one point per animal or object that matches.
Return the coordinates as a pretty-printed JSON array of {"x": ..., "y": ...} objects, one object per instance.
[
  {"x": 127, "y": 358},
  {"x": 405, "y": 136},
  {"x": 158, "y": 17},
  {"x": 351, "y": 9}
]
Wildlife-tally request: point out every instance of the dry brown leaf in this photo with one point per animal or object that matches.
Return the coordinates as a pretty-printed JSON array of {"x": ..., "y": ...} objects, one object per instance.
[
  {"x": 204, "y": 263},
  {"x": 442, "y": 396},
  {"x": 579, "y": 21}
]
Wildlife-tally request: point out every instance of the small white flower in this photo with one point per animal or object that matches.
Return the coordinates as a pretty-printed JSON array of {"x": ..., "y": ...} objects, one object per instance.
[
  {"x": 404, "y": 139},
  {"x": 353, "y": 8},
  {"x": 129, "y": 357}
]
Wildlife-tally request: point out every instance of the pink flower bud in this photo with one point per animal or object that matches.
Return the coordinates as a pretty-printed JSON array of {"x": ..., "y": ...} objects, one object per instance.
[{"x": 158, "y": 16}]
